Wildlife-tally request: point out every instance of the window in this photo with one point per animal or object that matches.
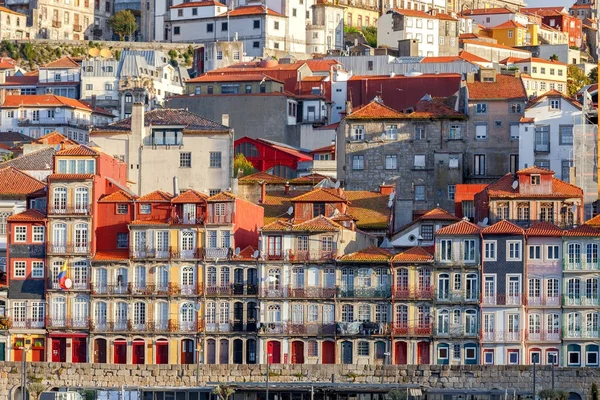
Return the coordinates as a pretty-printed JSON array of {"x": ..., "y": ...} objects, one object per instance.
[
  {"x": 552, "y": 252},
  {"x": 468, "y": 208},
  {"x": 370, "y": 65},
  {"x": 566, "y": 134},
  {"x": 185, "y": 160},
  {"x": 358, "y": 132},
  {"x": 145, "y": 208},
  {"x": 276, "y": 25},
  {"x": 510, "y": 33},
  {"x": 443, "y": 353},
  {"x": 176, "y": 30},
  {"x": 224, "y": 26},
  {"x": 566, "y": 170},
  {"x": 427, "y": 232},
  {"x": 122, "y": 240},
  {"x": 215, "y": 159},
  {"x": 489, "y": 247},
  {"x": 209, "y": 27},
  {"x": 89, "y": 86},
  {"x": 535, "y": 179},
  {"x": 555, "y": 104},
  {"x": 502, "y": 210},
  {"x": 513, "y": 357},
  {"x": 318, "y": 209},
  {"x": 358, "y": 162},
  {"x": 479, "y": 164},
  {"x": 420, "y": 133},
  {"x": 20, "y": 233},
  {"x": 37, "y": 269},
  {"x": 514, "y": 131},
  {"x": 481, "y": 108},
  {"x": 256, "y": 24},
  {"x": 419, "y": 193},
  {"x": 535, "y": 252},
  {"x": 391, "y": 132},
  {"x": 391, "y": 162},
  {"x": 19, "y": 268},
  {"x": 481, "y": 131},
  {"x": 419, "y": 161},
  {"x": 513, "y": 250},
  {"x": 451, "y": 192},
  {"x": 468, "y": 252},
  {"x": 194, "y": 11},
  {"x": 488, "y": 357},
  {"x": 455, "y": 132},
  {"x": 38, "y": 234},
  {"x": 363, "y": 348},
  {"x": 445, "y": 250},
  {"x": 122, "y": 208},
  {"x": 255, "y": 45},
  {"x": 516, "y": 108}
]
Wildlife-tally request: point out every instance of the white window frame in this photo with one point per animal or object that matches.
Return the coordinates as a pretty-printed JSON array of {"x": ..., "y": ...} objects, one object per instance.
[
  {"x": 556, "y": 252},
  {"x": 38, "y": 237},
  {"x": 494, "y": 244},
  {"x": 537, "y": 251},
  {"x": 37, "y": 269},
  {"x": 20, "y": 234},
  {"x": 520, "y": 246}
]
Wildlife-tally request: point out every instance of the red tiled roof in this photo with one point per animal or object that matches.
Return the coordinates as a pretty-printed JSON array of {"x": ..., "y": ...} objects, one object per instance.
[
  {"x": 317, "y": 224},
  {"x": 505, "y": 88},
  {"x": 461, "y": 228},
  {"x": 17, "y": 183},
  {"x": 465, "y": 55},
  {"x": 375, "y": 110},
  {"x": 200, "y": 4},
  {"x": 311, "y": 179},
  {"x": 251, "y": 10},
  {"x": 438, "y": 214},
  {"x": 21, "y": 80},
  {"x": 64, "y": 62},
  {"x": 321, "y": 195},
  {"x": 326, "y": 149},
  {"x": 553, "y": 93},
  {"x": 30, "y": 215},
  {"x": 261, "y": 176},
  {"x": 117, "y": 197},
  {"x": 544, "y": 229},
  {"x": 80, "y": 150},
  {"x": 510, "y": 24},
  {"x": 488, "y": 11},
  {"x": 503, "y": 227},
  {"x": 503, "y": 188},
  {"x": 246, "y": 254},
  {"x": 525, "y": 120},
  {"x": 46, "y": 100},
  {"x": 435, "y": 108},
  {"x": 369, "y": 208},
  {"x": 493, "y": 45},
  {"x": 535, "y": 170},
  {"x": 370, "y": 254},
  {"x": 595, "y": 221},
  {"x": 9, "y": 11},
  {"x": 537, "y": 60},
  {"x": 423, "y": 14},
  {"x": 54, "y": 138},
  {"x": 441, "y": 59},
  {"x": 232, "y": 78},
  {"x": 166, "y": 116},
  {"x": 413, "y": 255},
  {"x": 583, "y": 230},
  {"x": 320, "y": 65},
  {"x": 111, "y": 255},
  {"x": 222, "y": 196},
  {"x": 150, "y": 222},
  {"x": 190, "y": 196},
  {"x": 158, "y": 196},
  {"x": 314, "y": 78},
  {"x": 543, "y": 11},
  {"x": 7, "y": 63},
  {"x": 69, "y": 177}
]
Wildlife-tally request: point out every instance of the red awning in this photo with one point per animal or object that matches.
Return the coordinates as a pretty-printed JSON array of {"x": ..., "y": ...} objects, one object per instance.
[{"x": 68, "y": 335}]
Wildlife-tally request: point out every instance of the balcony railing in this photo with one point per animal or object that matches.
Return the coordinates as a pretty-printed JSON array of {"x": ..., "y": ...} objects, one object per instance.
[
  {"x": 502, "y": 300},
  {"x": 312, "y": 329},
  {"x": 220, "y": 219},
  {"x": 67, "y": 323},
  {"x": 76, "y": 284},
  {"x": 68, "y": 248},
  {"x": 222, "y": 253},
  {"x": 317, "y": 255},
  {"x": 502, "y": 336},
  {"x": 543, "y": 336},
  {"x": 580, "y": 334},
  {"x": 412, "y": 293},
  {"x": 197, "y": 254},
  {"x": 133, "y": 289},
  {"x": 581, "y": 301},
  {"x": 56, "y": 24},
  {"x": 456, "y": 330},
  {"x": 83, "y": 210},
  {"x": 231, "y": 326},
  {"x": 542, "y": 147},
  {"x": 311, "y": 292},
  {"x": 405, "y": 329},
  {"x": 582, "y": 265},
  {"x": 364, "y": 292},
  {"x": 456, "y": 296},
  {"x": 543, "y": 301},
  {"x": 362, "y": 328},
  {"x": 180, "y": 219},
  {"x": 27, "y": 323},
  {"x": 149, "y": 252}
]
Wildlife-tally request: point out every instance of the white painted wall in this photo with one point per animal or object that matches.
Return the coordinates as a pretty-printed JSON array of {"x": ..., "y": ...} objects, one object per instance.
[{"x": 414, "y": 28}]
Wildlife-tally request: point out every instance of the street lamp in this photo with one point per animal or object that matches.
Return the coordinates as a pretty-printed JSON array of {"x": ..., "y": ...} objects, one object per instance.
[
  {"x": 199, "y": 352},
  {"x": 24, "y": 372},
  {"x": 268, "y": 373}
]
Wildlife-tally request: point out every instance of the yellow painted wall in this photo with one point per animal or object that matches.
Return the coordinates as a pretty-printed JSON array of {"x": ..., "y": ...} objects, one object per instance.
[
  {"x": 356, "y": 11},
  {"x": 517, "y": 39}
]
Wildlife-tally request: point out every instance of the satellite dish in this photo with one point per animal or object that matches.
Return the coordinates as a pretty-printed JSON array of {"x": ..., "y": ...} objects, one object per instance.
[
  {"x": 337, "y": 185},
  {"x": 574, "y": 208},
  {"x": 486, "y": 220},
  {"x": 105, "y": 53},
  {"x": 94, "y": 52},
  {"x": 391, "y": 196},
  {"x": 256, "y": 253},
  {"x": 383, "y": 136},
  {"x": 237, "y": 251},
  {"x": 515, "y": 184},
  {"x": 290, "y": 210},
  {"x": 390, "y": 203}
]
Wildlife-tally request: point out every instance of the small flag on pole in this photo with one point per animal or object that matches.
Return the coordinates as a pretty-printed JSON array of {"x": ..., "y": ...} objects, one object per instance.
[{"x": 64, "y": 282}]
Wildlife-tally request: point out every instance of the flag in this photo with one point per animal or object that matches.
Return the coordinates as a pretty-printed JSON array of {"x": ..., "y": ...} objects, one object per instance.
[{"x": 62, "y": 276}]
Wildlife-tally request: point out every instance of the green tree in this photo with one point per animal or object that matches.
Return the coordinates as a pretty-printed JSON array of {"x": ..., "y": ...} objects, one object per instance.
[
  {"x": 27, "y": 51},
  {"x": 548, "y": 394},
  {"x": 123, "y": 24},
  {"x": 576, "y": 79},
  {"x": 223, "y": 391},
  {"x": 241, "y": 163},
  {"x": 594, "y": 391},
  {"x": 593, "y": 75},
  {"x": 370, "y": 33},
  {"x": 35, "y": 389},
  {"x": 7, "y": 156},
  {"x": 553, "y": 57}
]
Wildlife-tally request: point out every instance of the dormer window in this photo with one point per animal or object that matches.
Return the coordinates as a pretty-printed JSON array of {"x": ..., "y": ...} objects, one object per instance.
[
  {"x": 318, "y": 209},
  {"x": 535, "y": 179},
  {"x": 555, "y": 104},
  {"x": 145, "y": 208}
]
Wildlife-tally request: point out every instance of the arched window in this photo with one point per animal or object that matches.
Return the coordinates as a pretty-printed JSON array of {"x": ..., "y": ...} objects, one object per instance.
[
  {"x": 80, "y": 275},
  {"x": 187, "y": 316},
  {"x": 81, "y": 238},
  {"x": 573, "y": 290},
  {"x": 471, "y": 322},
  {"x": 58, "y": 311},
  {"x": 101, "y": 281},
  {"x": 471, "y": 287},
  {"x": 139, "y": 313},
  {"x": 225, "y": 278},
  {"x": 443, "y": 287},
  {"x": 188, "y": 276},
  {"x": 274, "y": 313},
  {"x": 443, "y": 322},
  {"x": 59, "y": 199},
  {"x": 274, "y": 278},
  {"x": 100, "y": 316},
  {"x": 59, "y": 236},
  {"x": 162, "y": 278},
  {"x": 80, "y": 311},
  {"x": 224, "y": 312},
  {"x": 401, "y": 317},
  {"x": 139, "y": 277},
  {"x": 211, "y": 312},
  {"x": 364, "y": 312},
  {"x": 81, "y": 200}
]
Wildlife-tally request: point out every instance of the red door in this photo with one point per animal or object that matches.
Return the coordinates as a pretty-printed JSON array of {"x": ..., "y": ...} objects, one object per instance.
[
  {"x": 37, "y": 353},
  {"x": 274, "y": 352},
  {"x": 120, "y": 352},
  {"x": 187, "y": 351},
  {"x": 328, "y": 353},
  {"x": 100, "y": 351},
  {"x": 162, "y": 352},
  {"x": 139, "y": 352},
  {"x": 423, "y": 353},
  {"x": 59, "y": 350},
  {"x": 297, "y": 352},
  {"x": 400, "y": 353},
  {"x": 79, "y": 350},
  {"x": 18, "y": 354}
]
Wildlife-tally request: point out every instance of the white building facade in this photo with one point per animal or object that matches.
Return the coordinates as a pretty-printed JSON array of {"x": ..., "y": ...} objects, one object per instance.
[{"x": 397, "y": 25}]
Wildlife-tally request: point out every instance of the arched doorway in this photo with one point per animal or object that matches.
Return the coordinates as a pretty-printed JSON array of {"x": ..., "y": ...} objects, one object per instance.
[
  {"x": 574, "y": 396},
  {"x": 120, "y": 351},
  {"x": 162, "y": 351},
  {"x": 187, "y": 351},
  {"x": 251, "y": 351},
  {"x": 297, "y": 352},
  {"x": 100, "y": 351},
  {"x": 224, "y": 351},
  {"x": 401, "y": 353},
  {"x": 211, "y": 351},
  {"x": 423, "y": 353},
  {"x": 18, "y": 394},
  {"x": 274, "y": 352},
  {"x": 238, "y": 351},
  {"x": 138, "y": 352}
]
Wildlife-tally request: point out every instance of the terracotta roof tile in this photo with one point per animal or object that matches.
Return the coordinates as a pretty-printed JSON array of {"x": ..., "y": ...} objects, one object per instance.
[
  {"x": 434, "y": 108},
  {"x": 537, "y": 60},
  {"x": 583, "y": 230},
  {"x": 438, "y": 214},
  {"x": 190, "y": 196},
  {"x": 222, "y": 196},
  {"x": 69, "y": 177},
  {"x": 423, "y": 14},
  {"x": 321, "y": 195},
  {"x": 311, "y": 179},
  {"x": 503, "y": 227},
  {"x": 80, "y": 150},
  {"x": 510, "y": 24},
  {"x": 150, "y": 222},
  {"x": 535, "y": 170},
  {"x": 245, "y": 254},
  {"x": 441, "y": 59},
  {"x": 369, "y": 208},
  {"x": 595, "y": 221},
  {"x": 45, "y": 100},
  {"x": 158, "y": 196},
  {"x": 9, "y": 11},
  {"x": 251, "y": 10},
  {"x": 117, "y": 197},
  {"x": 461, "y": 228},
  {"x": 17, "y": 183},
  {"x": 320, "y": 65},
  {"x": 317, "y": 224},
  {"x": 492, "y": 45},
  {"x": 544, "y": 229},
  {"x": 503, "y": 188},
  {"x": 553, "y": 93},
  {"x": 111, "y": 255},
  {"x": 370, "y": 254},
  {"x": 54, "y": 138},
  {"x": 375, "y": 110},
  {"x": 21, "y": 80},
  {"x": 524, "y": 120},
  {"x": 232, "y": 78},
  {"x": 167, "y": 116},
  {"x": 413, "y": 255},
  {"x": 325, "y": 149},
  {"x": 64, "y": 62},
  {"x": 277, "y": 226},
  {"x": 488, "y": 11},
  {"x": 38, "y": 160},
  {"x": 506, "y": 87},
  {"x": 27, "y": 216},
  {"x": 204, "y": 3},
  {"x": 261, "y": 176}
]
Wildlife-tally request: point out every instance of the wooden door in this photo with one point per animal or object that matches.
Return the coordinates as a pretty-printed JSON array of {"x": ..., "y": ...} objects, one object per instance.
[
  {"x": 211, "y": 351},
  {"x": 139, "y": 352},
  {"x": 347, "y": 353},
  {"x": 238, "y": 351},
  {"x": 100, "y": 351},
  {"x": 274, "y": 352},
  {"x": 79, "y": 350},
  {"x": 224, "y": 351},
  {"x": 423, "y": 353},
  {"x": 59, "y": 350},
  {"x": 400, "y": 353},
  {"x": 162, "y": 352},
  {"x": 297, "y": 352},
  {"x": 120, "y": 352},
  {"x": 328, "y": 353},
  {"x": 187, "y": 351}
]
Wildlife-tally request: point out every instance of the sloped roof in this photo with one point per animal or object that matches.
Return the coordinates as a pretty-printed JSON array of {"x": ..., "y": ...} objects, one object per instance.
[
  {"x": 9, "y": 11},
  {"x": 260, "y": 177},
  {"x": 47, "y": 100},
  {"x": 503, "y": 188},
  {"x": 158, "y": 196},
  {"x": 505, "y": 88},
  {"x": 544, "y": 229},
  {"x": 369, "y": 209},
  {"x": 415, "y": 254},
  {"x": 369, "y": 255},
  {"x": 595, "y": 221},
  {"x": 30, "y": 215},
  {"x": 17, "y": 183},
  {"x": 431, "y": 215},
  {"x": 583, "y": 230},
  {"x": 38, "y": 160},
  {"x": 375, "y": 110},
  {"x": 54, "y": 138},
  {"x": 534, "y": 169},
  {"x": 311, "y": 179},
  {"x": 461, "y": 228},
  {"x": 492, "y": 45},
  {"x": 64, "y": 62},
  {"x": 317, "y": 224},
  {"x": 222, "y": 196},
  {"x": 252, "y": 10},
  {"x": 190, "y": 196},
  {"x": 321, "y": 195},
  {"x": 554, "y": 93},
  {"x": 168, "y": 116},
  {"x": 538, "y": 60},
  {"x": 80, "y": 150},
  {"x": 117, "y": 197},
  {"x": 246, "y": 254},
  {"x": 111, "y": 255},
  {"x": 69, "y": 177},
  {"x": 232, "y": 78},
  {"x": 488, "y": 11},
  {"x": 510, "y": 24},
  {"x": 204, "y": 3},
  {"x": 503, "y": 227}
]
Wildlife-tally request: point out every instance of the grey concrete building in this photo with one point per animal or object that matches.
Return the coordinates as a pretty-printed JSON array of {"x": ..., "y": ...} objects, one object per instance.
[{"x": 420, "y": 152}]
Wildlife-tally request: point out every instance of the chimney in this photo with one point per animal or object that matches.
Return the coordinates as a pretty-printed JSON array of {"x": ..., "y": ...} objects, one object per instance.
[
  {"x": 286, "y": 188},
  {"x": 470, "y": 77},
  {"x": 225, "y": 119},
  {"x": 240, "y": 173},
  {"x": 348, "y": 107},
  {"x": 175, "y": 186},
  {"x": 2, "y": 77},
  {"x": 386, "y": 189},
  {"x": 93, "y": 102},
  {"x": 263, "y": 192},
  {"x": 137, "y": 119},
  {"x": 356, "y": 42}
]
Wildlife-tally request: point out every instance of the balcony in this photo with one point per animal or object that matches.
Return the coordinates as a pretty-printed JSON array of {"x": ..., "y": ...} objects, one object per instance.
[
  {"x": 582, "y": 265},
  {"x": 312, "y": 292},
  {"x": 543, "y": 301},
  {"x": 580, "y": 334},
  {"x": 99, "y": 289},
  {"x": 276, "y": 328},
  {"x": 77, "y": 28},
  {"x": 66, "y": 211},
  {"x": 250, "y": 289},
  {"x": 236, "y": 326},
  {"x": 68, "y": 248},
  {"x": 183, "y": 219},
  {"x": 221, "y": 253},
  {"x": 240, "y": 289},
  {"x": 56, "y": 24},
  {"x": 220, "y": 219},
  {"x": 502, "y": 336},
  {"x": 27, "y": 323},
  {"x": 148, "y": 252},
  {"x": 581, "y": 301},
  {"x": 456, "y": 297},
  {"x": 362, "y": 328},
  {"x": 543, "y": 336},
  {"x": 185, "y": 327},
  {"x": 197, "y": 254},
  {"x": 502, "y": 300},
  {"x": 301, "y": 256},
  {"x": 364, "y": 292},
  {"x": 77, "y": 284},
  {"x": 67, "y": 323},
  {"x": 412, "y": 293},
  {"x": 405, "y": 329},
  {"x": 456, "y": 331},
  {"x": 312, "y": 329},
  {"x": 273, "y": 292}
]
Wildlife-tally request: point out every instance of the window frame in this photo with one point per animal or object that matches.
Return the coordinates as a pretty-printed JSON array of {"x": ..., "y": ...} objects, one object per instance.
[{"x": 508, "y": 250}]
